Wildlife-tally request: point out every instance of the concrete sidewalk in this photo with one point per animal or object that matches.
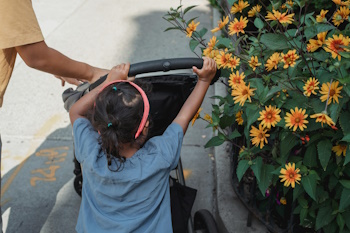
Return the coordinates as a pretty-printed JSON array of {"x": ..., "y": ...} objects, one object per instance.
[{"x": 102, "y": 33}]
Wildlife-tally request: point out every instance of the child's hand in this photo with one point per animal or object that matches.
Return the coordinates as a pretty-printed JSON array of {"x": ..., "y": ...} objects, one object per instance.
[
  {"x": 208, "y": 70},
  {"x": 119, "y": 72}
]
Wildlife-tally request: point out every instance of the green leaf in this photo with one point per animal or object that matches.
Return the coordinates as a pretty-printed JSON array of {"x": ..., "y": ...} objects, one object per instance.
[
  {"x": 193, "y": 44},
  {"x": 226, "y": 121},
  {"x": 258, "y": 23},
  {"x": 223, "y": 42},
  {"x": 303, "y": 215},
  {"x": 231, "y": 2},
  {"x": 188, "y": 9},
  {"x": 310, "y": 157},
  {"x": 344, "y": 199},
  {"x": 256, "y": 167},
  {"x": 347, "y": 155},
  {"x": 234, "y": 134},
  {"x": 171, "y": 28},
  {"x": 324, "y": 149},
  {"x": 312, "y": 31},
  {"x": 340, "y": 221},
  {"x": 346, "y": 138},
  {"x": 344, "y": 122},
  {"x": 324, "y": 217},
  {"x": 265, "y": 178},
  {"x": 274, "y": 41},
  {"x": 298, "y": 190},
  {"x": 271, "y": 93},
  {"x": 214, "y": 141},
  {"x": 309, "y": 184},
  {"x": 242, "y": 168},
  {"x": 202, "y": 32},
  {"x": 345, "y": 183},
  {"x": 252, "y": 116},
  {"x": 288, "y": 141}
]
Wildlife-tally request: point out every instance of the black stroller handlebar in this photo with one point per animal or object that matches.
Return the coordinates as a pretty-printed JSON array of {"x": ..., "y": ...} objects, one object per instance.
[{"x": 161, "y": 65}]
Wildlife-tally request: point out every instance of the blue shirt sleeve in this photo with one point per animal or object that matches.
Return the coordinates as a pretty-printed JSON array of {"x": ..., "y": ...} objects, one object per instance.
[
  {"x": 85, "y": 138},
  {"x": 171, "y": 142}
]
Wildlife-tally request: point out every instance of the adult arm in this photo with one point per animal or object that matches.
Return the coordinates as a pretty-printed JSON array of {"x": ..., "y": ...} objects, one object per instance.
[
  {"x": 85, "y": 103},
  {"x": 194, "y": 101},
  {"x": 41, "y": 57}
]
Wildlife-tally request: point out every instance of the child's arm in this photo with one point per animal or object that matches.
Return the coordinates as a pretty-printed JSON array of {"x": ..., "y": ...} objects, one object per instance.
[
  {"x": 194, "y": 101},
  {"x": 85, "y": 103}
]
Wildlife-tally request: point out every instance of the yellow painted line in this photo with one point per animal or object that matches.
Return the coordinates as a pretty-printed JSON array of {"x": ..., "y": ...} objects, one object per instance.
[{"x": 41, "y": 133}]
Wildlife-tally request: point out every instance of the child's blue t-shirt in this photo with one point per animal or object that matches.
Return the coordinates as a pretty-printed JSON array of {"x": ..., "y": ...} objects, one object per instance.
[{"x": 135, "y": 199}]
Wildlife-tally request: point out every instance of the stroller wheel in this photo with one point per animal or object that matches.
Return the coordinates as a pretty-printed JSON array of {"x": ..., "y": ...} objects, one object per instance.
[
  {"x": 204, "y": 222},
  {"x": 78, "y": 184}
]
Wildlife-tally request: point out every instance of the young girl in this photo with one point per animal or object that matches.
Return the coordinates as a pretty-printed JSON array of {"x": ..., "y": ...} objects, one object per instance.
[{"x": 126, "y": 177}]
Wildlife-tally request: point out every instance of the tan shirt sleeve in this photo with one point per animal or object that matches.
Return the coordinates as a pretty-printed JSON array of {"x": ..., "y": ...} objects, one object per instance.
[{"x": 18, "y": 24}]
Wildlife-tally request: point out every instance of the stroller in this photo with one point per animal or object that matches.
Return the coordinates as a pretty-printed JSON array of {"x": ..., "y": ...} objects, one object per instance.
[{"x": 169, "y": 93}]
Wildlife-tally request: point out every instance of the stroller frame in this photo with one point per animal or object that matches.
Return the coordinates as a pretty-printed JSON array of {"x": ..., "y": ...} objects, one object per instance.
[{"x": 203, "y": 220}]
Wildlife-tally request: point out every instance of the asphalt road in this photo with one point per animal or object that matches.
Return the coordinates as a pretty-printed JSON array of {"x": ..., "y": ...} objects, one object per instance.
[{"x": 37, "y": 192}]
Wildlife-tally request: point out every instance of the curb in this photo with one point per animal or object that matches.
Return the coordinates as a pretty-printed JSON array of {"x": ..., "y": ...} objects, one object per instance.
[{"x": 231, "y": 215}]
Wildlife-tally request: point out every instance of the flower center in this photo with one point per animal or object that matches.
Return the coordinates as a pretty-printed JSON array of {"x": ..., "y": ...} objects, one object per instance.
[
  {"x": 260, "y": 135},
  {"x": 269, "y": 116},
  {"x": 342, "y": 147},
  {"x": 297, "y": 119},
  {"x": 244, "y": 92},
  {"x": 331, "y": 92},
  {"x": 291, "y": 175}
]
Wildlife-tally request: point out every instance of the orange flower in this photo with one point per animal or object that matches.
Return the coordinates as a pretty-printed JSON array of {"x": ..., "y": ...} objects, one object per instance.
[
  {"x": 289, "y": 58},
  {"x": 295, "y": 119},
  {"x": 239, "y": 118},
  {"x": 196, "y": 116},
  {"x": 254, "y": 62},
  {"x": 223, "y": 59},
  {"x": 191, "y": 28},
  {"x": 283, "y": 18},
  {"x": 336, "y": 44},
  {"x": 259, "y": 136},
  {"x": 340, "y": 149},
  {"x": 221, "y": 24},
  {"x": 270, "y": 116},
  {"x": 211, "y": 53},
  {"x": 254, "y": 11},
  {"x": 239, "y": 7},
  {"x": 323, "y": 118},
  {"x": 340, "y": 15},
  {"x": 311, "y": 86},
  {"x": 332, "y": 90},
  {"x": 321, "y": 18},
  {"x": 236, "y": 79},
  {"x": 208, "y": 118},
  {"x": 273, "y": 61},
  {"x": 283, "y": 201},
  {"x": 341, "y": 3},
  {"x": 290, "y": 175},
  {"x": 233, "y": 63},
  {"x": 241, "y": 93},
  {"x": 237, "y": 26},
  {"x": 315, "y": 44},
  {"x": 211, "y": 45}
]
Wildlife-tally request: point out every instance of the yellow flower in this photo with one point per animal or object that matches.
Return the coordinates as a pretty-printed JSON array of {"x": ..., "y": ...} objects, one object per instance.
[
  {"x": 273, "y": 61},
  {"x": 208, "y": 118},
  {"x": 196, "y": 116},
  {"x": 340, "y": 15},
  {"x": 315, "y": 44},
  {"x": 283, "y": 201},
  {"x": 283, "y": 18},
  {"x": 259, "y": 136},
  {"x": 241, "y": 93},
  {"x": 221, "y": 24},
  {"x": 254, "y": 62},
  {"x": 237, "y": 26},
  {"x": 340, "y": 3},
  {"x": 333, "y": 90},
  {"x": 270, "y": 116},
  {"x": 239, "y": 118},
  {"x": 290, "y": 175},
  {"x": 311, "y": 86},
  {"x": 211, "y": 53},
  {"x": 242, "y": 149},
  {"x": 212, "y": 42},
  {"x": 254, "y": 11},
  {"x": 223, "y": 59},
  {"x": 289, "y": 58},
  {"x": 340, "y": 149},
  {"x": 239, "y": 7},
  {"x": 191, "y": 28},
  {"x": 336, "y": 44},
  {"x": 322, "y": 16},
  {"x": 323, "y": 118},
  {"x": 236, "y": 79},
  {"x": 295, "y": 119},
  {"x": 233, "y": 63}
]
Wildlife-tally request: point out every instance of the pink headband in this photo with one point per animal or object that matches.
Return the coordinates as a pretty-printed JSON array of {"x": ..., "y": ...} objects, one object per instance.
[{"x": 145, "y": 103}]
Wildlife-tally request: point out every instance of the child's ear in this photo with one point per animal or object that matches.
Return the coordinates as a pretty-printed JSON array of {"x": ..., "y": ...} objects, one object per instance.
[{"x": 145, "y": 129}]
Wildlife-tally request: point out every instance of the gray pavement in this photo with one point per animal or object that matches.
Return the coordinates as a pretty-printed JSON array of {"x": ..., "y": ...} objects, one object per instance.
[{"x": 37, "y": 168}]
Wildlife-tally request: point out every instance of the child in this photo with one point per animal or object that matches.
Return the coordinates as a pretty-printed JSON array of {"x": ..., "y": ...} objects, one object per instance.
[{"x": 126, "y": 177}]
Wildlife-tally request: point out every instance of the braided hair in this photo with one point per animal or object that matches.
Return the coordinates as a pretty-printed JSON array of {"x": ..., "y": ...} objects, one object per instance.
[{"x": 116, "y": 116}]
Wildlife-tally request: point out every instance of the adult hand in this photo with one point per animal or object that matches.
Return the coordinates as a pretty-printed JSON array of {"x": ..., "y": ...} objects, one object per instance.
[
  {"x": 72, "y": 81},
  {"x": 98, "y": 73}
]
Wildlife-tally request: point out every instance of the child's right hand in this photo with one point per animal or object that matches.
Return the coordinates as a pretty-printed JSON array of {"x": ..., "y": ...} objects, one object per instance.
[
  {"x": 208, "y": 70},
  {"x": 119, "y": 72}
]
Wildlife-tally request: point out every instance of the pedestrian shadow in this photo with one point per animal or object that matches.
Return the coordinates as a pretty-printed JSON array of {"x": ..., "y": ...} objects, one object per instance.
[{"x": 41, "y": 197}]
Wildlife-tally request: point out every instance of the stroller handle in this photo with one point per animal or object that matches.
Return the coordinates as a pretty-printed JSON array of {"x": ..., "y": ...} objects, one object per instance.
[{"x": 161, "y": 65}]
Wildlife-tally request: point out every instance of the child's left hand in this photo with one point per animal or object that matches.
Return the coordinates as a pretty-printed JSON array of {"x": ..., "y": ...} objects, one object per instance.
[{"x": 119, "y": 72}]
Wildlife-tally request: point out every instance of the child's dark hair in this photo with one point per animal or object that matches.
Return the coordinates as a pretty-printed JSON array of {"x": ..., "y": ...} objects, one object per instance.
[{"x": 116, "y": 116}]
